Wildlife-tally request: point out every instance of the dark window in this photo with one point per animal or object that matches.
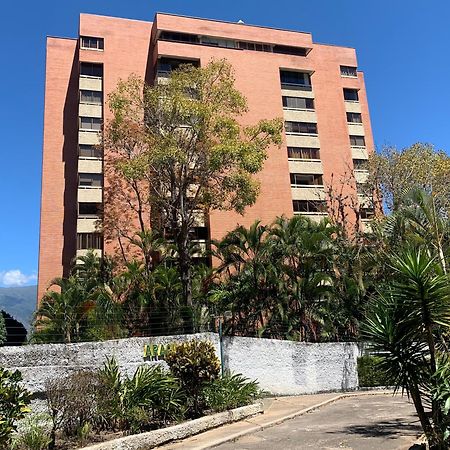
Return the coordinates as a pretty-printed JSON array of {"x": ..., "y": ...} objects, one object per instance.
[
  {"x": 348, "y": 71},
  {"x": 295, "y": 78},
  {"x": 200, "y": 233},
  {"x": 90, "y": 209},
  {"x": 94, "y": 43},
  {"x": 351, "y": 95},
  {"x": 357, "y": 141},
  {"x": 306, "y": 179},
  {"x": 288, "y": 50},
  {"x": 354, "y": 117},
  {"x": 169, "y": 64},
  {"x": 179, "y": 37},
  {"x": 218, "y": 42},
  {"x": 298, "y": 102},
  {"x": 93, "y": 97},
  {"x": 91, "y": 69},
  {"x": 90, "y": 179},
  {"x": 309, "y": 206},
  {"x": 90, "y": 123},
  {"x": 89, "y": 151},
  {"x": 303, "y": 153},
  {"x": 89, "y": 240},
  {"x": 301, "y": 127},
  {"x": 360, "y": 164},
  {"x": 366, "y": 213}
]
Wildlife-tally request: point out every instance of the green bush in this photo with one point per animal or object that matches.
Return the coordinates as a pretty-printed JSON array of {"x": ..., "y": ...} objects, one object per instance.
[
  {"x": 230, "y": 391},
  {"x": 369, "y": 374},
  {"x": 149, "y": 399},
  {"x": 34, "y": 434},
  {"x": 14, "y": 401},
  {"x": 3, "y": 334},
  {"x": 194, "y": 363}
]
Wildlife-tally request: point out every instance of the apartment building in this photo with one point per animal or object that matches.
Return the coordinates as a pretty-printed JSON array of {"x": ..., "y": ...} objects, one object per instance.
[{"x": 316, "y": 88}]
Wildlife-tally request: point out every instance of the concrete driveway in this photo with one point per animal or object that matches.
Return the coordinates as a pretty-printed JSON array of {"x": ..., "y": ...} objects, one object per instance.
[{"x": 360, "y": 423}]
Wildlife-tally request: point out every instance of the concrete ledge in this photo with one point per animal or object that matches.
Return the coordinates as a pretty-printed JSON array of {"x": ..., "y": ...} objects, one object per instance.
[{"x": 154, "y": 438}]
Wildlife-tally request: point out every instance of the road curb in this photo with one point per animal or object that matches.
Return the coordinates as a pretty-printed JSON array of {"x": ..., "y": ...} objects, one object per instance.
[{"x": 301, "y": 412}]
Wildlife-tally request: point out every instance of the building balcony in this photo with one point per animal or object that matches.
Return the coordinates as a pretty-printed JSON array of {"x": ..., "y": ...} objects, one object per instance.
[
  {"x": 300, "y": 115},
  {"x": 90, "y": 194},
  {"x": 361, "y": 176},
  {"x": 355, "y": 129},
  {"x": 88, "y": 225},
  {"x": 90, "y": 110},
  {"x": 89, "y": 137},
  {"x": 91, "y": 83},
  {"x": 97, "y": 252},
  {"x": 92, "y": 165},
  {"x": 302, "y": 140},
  {"x": 359, "y": 153},
  {"x": 305, "y": 166},
  {"x": 291, "y": 91},
  {"x": 307, "y": 192},
  {"x": 352, "y": 106}
]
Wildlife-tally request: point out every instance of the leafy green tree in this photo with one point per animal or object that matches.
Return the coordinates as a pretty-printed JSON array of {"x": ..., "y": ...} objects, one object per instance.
[
  {"x": 2, "y": 329},
  {"x": 405, "y": 324},
  {"x": 14, "y": 401},
  {"x": 176, "y": 150}
]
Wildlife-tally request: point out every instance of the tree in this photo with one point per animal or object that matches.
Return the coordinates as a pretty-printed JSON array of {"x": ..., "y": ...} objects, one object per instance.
[
  {"x": 405, "y": 324},
  {"x": 2, "y": 329},
  {"x": 394, "y": 172},
  {"x": 176, "y": 151}
]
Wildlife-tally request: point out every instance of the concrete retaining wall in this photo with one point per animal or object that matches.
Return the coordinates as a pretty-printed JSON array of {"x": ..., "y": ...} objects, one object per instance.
[{"x": 281, "y": 367}]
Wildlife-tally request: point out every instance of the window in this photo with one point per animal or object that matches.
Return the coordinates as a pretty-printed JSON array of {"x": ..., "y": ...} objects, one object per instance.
[
  {"x": 199, "y": 233},
  {"x": 254, "y": 46},
  {"x": 90, "y": 209},
  {"x": 360, "y": 164},
  {"x": 298, "y": 103},
  {"x": 93, "y": 97},
  {"x": 179, "y": 37},
  {"x": 303, "y": 153},
  {"x": 217, "y": 42},
  {"x": 354, "y": 117},
  {"x": 306, "y": 179},
  {"x": 289, "y": 50},
  {"x": 357, "y": 141},
  {"x": 366, "y": 213},
  {"x": 90, "y": 179},
  {"x": 90, "y": 123},
  {"x": 348, "y": 71},
  {"x": 169, "y": 64},
  {"x": 309, "y": 206},
  {"x": 89, "y": 151},
  {"x": 301, "y": 127},
  {"x": 92, "y": 43},
  {"x": 351, "y": 95},
  {"x": 295, "y": 78},
  {"x": 89, "y": 240},
  {"x": 91, "y": 69}
]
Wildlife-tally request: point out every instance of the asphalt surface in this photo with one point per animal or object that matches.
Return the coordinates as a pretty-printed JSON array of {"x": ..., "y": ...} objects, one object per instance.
[{"x": 369, "y": 422}]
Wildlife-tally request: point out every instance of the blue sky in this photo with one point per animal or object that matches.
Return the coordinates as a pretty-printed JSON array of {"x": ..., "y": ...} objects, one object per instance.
[{"x": 402, "y": 46}]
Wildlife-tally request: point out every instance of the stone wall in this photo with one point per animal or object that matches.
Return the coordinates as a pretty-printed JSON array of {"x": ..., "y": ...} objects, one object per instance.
[{"x": 281, "y": 367}]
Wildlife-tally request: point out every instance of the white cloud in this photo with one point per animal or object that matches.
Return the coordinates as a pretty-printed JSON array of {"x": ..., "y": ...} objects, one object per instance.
[{"x": 15, "y": 277}]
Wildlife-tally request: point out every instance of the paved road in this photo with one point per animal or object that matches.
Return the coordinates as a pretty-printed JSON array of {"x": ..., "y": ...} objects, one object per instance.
[{"x": 360, "y": 423}]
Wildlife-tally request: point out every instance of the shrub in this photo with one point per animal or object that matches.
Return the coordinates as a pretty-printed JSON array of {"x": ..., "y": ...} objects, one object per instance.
[
  {"x": 230, "y": 391},
  {"x": 369, "y": 374},
  {"x": 2, "y": 329},
  {"x": 72, "y": 402},
  {"x": 149, "y": 399},
  {"x": 34, "y": 434},
  {"x": 14, "y": 401},
  {"x": 194, "y": 363}
]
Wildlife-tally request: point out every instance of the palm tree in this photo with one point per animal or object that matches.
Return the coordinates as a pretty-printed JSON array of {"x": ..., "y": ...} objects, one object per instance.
[
  {"x": 63, "y": 311},
  {"x": 405, "y": 323}
]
